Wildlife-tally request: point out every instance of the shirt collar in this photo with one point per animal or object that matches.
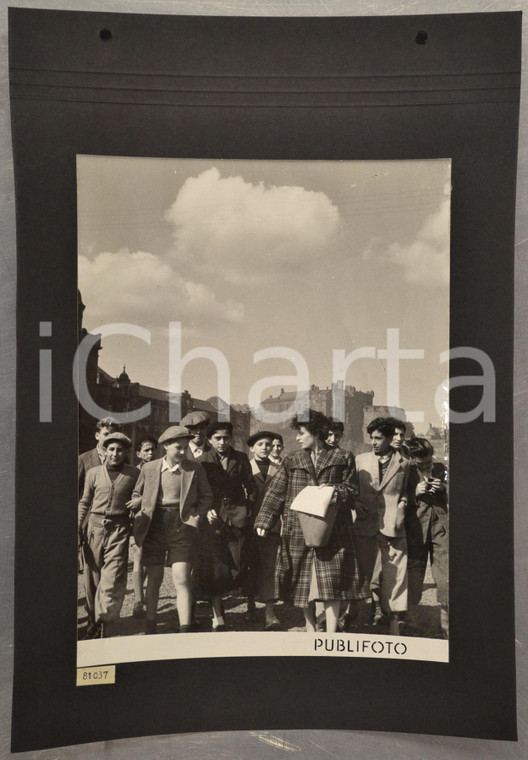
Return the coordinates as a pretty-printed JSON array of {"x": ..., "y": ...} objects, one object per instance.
[{"x": 166, "y": 466}]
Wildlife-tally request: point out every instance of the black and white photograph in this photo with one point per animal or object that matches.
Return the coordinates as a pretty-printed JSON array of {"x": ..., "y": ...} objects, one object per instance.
[
  {"x": 263, "y": 408},
  {"x": 264, "y": 341}
]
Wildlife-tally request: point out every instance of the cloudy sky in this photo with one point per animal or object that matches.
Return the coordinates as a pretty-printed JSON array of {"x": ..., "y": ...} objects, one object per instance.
[{"x": 308, "y": 255}]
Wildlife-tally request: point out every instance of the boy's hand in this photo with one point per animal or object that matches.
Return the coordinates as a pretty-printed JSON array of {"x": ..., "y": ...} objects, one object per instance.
[
  {"x": 134, "y": 504},
  {"x": 212, "y": 516},
  {"x": 262, "y": 532},
  {"x": 422, "y": 488}
]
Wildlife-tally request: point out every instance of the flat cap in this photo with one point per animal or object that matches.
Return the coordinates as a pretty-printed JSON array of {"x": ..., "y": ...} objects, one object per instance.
[
  {"x": 174, "y": 432},
  {"x": 259, "y": 435},
  {"x": 116, "y": 438},
  {"x": 195, "y": 418}
]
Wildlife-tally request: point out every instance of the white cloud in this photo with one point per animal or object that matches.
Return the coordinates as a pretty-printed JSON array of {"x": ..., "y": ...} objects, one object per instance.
[
  {"x": 245, "y": 233},
  {"x": 141, "y": 289},
  {"x": 426, "y": 259}
]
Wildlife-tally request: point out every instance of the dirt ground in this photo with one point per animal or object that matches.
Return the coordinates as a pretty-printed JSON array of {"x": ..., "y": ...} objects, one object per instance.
[{"x": 425, "y": 618}]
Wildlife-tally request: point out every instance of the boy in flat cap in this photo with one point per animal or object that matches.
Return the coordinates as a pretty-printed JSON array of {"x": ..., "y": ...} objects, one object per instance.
[
  {"x": 171, "y": 495},
  {"x": 197, "y": 424},
  {"x": 104, "y": 530},
  {"x": 266, "y": 547}
]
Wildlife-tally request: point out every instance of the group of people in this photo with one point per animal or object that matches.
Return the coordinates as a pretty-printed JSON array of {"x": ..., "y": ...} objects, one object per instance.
[{"x": 223, "y": 522}]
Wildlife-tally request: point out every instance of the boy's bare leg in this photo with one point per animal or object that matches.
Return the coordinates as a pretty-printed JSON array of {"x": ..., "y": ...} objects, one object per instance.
[
  {"x": 181, "y": 576},
  {"x": 154, "y": 581}
]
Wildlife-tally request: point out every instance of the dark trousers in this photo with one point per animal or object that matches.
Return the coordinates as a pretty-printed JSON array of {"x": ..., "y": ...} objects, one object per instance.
[{"x": 434, "y": 546}]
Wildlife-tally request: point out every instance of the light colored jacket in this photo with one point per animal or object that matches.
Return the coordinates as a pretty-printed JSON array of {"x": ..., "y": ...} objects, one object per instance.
[
  {"x": 195, "y": 500},
  {"x": 385, "y": 501}
]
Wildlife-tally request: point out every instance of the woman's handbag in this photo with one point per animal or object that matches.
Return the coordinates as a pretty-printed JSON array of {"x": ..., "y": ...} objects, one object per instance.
[{"x": 317, "y": 514}]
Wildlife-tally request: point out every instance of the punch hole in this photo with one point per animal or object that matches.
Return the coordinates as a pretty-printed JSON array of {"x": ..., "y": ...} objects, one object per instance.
[
  {"x": 105, "y": 34},
  {"x": 421, "y": 38}
]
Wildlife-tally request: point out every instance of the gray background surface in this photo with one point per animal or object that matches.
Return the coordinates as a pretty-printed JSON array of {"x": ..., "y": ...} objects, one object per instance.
[{"x": 261, "y": 745}]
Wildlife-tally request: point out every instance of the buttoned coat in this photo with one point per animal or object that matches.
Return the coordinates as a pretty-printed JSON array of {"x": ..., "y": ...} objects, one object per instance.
[
  {"x": 262, "y": 484},
  {"x": 335, "y": 564},
  {"x": 225, "y": 552},
  {"x": 235, "y": 483},
  {"x": 382, "y": 499},
  {"x": 195, "y": 500}
]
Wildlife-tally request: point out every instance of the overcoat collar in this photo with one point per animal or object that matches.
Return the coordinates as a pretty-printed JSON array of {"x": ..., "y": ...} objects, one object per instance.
[
  {"x": 327, "y": 457},
  {"x": 255, "y": 469},
  {"x": 212, "y": 456}
]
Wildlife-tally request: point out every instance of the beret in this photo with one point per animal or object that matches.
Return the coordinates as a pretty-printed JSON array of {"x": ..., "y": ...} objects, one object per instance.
[
  {"x": 117, "y": 438},
  {"x": 258, "y": 435}
]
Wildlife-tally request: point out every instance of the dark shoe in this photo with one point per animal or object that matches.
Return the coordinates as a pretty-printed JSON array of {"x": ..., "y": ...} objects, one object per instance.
[
  {"x": 347, "y": 623},
  {"x": 186, "y": 628},
  {"x": 94, "y": 632},
  {"x": 394, "y": 625},
  {"x": 150, "y": 627},
  {"x": 109, "y": 628},
  {"x": 139, "y": 610},
  {"x": 251, "y": 614},
  {"x": 219, "y": 628},
  {"x": 320, "y": 623},
  {"x": 272, "y": 623}
]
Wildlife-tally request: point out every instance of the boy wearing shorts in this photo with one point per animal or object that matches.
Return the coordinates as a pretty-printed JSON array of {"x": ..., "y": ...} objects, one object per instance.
[{"x": 170, "y": 497}]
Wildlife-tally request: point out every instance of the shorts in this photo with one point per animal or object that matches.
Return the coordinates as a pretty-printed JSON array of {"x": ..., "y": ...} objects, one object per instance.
[{"x": 168, "y": 540}]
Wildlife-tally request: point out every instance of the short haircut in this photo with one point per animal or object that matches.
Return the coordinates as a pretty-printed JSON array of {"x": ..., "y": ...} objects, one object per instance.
[
  {"x": 215, "y": 426},
  {"x": 384, "y": 424},
  {"x": 278, "y": 437},
  {"x": 146, "y": 439},
  {"x": 420, "y": 447},
  {"x": 317, "y": 424},
  {"x": 336, "y": 426},
  {"x": 398, "y": 424},
  {"x": 108, "y": 422}
]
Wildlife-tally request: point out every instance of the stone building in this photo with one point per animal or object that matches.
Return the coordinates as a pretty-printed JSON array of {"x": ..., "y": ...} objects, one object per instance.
[
  {"x": 346, "y": 403},
  {"x": 439, "y": 438}
]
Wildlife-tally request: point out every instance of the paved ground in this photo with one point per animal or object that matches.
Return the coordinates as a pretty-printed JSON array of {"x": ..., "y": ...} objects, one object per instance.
[{"x": 426, "y": 617}]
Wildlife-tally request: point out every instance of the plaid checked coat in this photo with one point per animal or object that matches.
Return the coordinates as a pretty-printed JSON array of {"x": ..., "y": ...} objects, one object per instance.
[{"x": 335, "y": 565}]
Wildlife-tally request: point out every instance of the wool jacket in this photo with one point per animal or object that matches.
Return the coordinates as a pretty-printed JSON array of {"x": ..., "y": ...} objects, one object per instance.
[{"x": 105, "y": 498}]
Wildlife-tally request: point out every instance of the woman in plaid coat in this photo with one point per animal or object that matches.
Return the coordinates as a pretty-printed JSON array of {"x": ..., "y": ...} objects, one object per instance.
[{"x": 306, "y": 574}]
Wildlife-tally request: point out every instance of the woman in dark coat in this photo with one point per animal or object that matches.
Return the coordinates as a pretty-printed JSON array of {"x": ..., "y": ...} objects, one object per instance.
[{"x": 305, "y": 574}]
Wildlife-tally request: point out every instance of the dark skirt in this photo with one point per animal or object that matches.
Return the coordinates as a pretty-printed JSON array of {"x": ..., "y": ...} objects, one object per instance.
[{"x": 223, "y": 560}]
